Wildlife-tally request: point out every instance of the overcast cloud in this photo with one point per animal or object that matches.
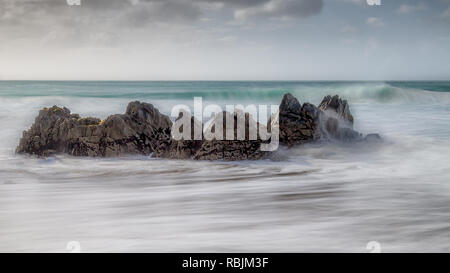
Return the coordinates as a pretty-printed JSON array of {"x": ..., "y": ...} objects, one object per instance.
[{"x": 224, "y": 39}]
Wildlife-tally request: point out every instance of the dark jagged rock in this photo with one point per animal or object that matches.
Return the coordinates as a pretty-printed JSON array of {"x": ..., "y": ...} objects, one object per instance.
[
  {"x": 305, "y": 123},
  {"x": 337, "y": 121},
  {"x": 146, "y": 113},
  {"x": 338, "y": 108},
  {"x": 139, "y": 131},
  {"x": 334, "y": 130},
  {"x": 246, "y": 149},
  {"x": 290, "y": 106},
  {"x": 144, "y": 130},
  {"x": 297, "y": 124},
  {"x": 230, "y": 150},
  {"x": 182, "y": 149}
]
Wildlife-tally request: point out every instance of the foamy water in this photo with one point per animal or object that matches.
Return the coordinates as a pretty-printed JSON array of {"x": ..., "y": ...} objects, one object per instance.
[{"x": 321, "y": 197}]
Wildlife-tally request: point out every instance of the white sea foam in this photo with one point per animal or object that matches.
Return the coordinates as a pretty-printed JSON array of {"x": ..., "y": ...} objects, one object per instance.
[{"x": 320, "y": 197}]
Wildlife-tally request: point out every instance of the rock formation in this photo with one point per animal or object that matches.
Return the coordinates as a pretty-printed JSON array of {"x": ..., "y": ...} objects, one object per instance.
[
  {"x": 297, "y": 124},
  {"x": 337, "y": 121},
  {"x": 338, "y": 107},
  {"x": 183, "y": 148},
  {"x": 305, "y": 123},
  {"x": 143, "y": 130},
  {"x": 242, "y": 147}
]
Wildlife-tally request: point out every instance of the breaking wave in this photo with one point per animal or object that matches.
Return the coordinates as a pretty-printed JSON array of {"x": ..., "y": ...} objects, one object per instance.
[{"x": 354, "y": 92}]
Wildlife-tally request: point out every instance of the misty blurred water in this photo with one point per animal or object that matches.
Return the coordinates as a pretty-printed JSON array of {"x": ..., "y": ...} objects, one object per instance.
[{"x": 319, "y": 197}]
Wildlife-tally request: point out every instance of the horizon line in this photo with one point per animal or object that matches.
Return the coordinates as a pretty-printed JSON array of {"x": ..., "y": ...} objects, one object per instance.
[{"x": 331, "y": 80}]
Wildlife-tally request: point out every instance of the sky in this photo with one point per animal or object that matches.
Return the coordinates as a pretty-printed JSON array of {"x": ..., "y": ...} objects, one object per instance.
[{"x": 224, "y": 40}]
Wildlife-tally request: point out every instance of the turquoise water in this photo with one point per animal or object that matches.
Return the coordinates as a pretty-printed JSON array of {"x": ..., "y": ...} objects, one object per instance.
[
  {"x": 324, "y": 197},
  {"x": 358, "y": 91}
]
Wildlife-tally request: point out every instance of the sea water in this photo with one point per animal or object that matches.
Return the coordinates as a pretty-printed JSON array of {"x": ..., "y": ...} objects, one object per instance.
[{"x": 317, "y": 197}]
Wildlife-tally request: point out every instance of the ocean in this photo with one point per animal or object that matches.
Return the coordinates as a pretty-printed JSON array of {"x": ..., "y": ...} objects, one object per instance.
[{"x": 315, "y": 198}]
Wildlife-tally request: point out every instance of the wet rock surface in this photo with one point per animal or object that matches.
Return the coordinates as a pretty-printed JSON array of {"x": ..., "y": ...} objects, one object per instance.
[
  {"x": 336, "y": 120},
  {"x": 143, "y": 130},
  {"x": 182, "y": 148},
  {"x": 297, "y": 124},
  {"x": 338, "y": 108},
  {"x": 139, "y": 131},
  {"x": 245, "y": 146}
]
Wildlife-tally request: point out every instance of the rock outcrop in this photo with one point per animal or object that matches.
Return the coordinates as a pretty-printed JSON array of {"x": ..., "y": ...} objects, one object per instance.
[
  {"x": 338, "y": 107},
  {"x": 143, "y": 130},
  {"x": 300, "y": 124},
  {"x": 244, "y": 146},
  {"x": 297, "y": 124},
  {"x": 182, "y": 148},
  {"x": 337, "y": 121}
]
